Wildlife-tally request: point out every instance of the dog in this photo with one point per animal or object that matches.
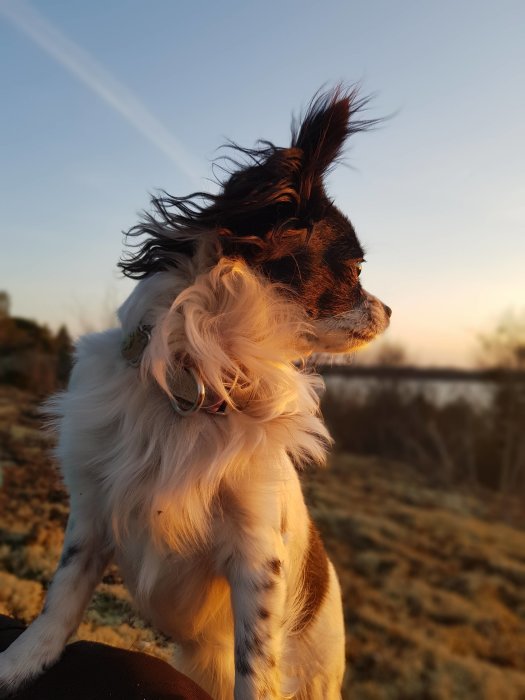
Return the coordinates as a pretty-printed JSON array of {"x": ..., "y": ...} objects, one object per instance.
[{"x": 182, "y": 433}]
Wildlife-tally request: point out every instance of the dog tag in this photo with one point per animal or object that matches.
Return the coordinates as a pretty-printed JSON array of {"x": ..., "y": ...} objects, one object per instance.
[{"x": 188, "y": 391}]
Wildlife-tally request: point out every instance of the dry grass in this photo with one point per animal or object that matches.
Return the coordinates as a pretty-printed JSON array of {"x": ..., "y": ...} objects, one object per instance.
[{"x": 433, "y": 584}]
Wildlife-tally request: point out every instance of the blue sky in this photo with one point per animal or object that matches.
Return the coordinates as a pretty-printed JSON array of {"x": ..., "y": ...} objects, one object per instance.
[{"x": 104, "y": 102}]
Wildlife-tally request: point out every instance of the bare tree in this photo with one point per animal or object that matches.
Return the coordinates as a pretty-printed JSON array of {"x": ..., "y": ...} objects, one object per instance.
[
  {"x": 390, "y": 354},
  {"x": 5, "y": 305},
  {"x": 504, "y": 348}
]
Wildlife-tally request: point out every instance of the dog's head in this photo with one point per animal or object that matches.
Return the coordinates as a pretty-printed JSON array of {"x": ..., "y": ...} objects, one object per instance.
[{"x": 273, "y": 213}]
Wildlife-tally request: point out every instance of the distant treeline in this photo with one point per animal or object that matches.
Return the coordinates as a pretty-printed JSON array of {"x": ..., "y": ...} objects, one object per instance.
[
  {"x": 479, "y": 445},
  {"x": 32, "y": 357},
  {"x": 447, "y": 374}
]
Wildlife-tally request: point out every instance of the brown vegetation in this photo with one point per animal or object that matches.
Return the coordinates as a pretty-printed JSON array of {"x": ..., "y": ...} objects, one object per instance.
[
  {"x": 433, "y": 583},
  {"x": 31, "y": 356},
  {"x": 475, "y": 442}
]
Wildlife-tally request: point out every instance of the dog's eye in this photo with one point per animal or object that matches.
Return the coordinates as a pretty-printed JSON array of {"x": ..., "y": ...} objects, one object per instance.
[{"x": 359, "y": 267}]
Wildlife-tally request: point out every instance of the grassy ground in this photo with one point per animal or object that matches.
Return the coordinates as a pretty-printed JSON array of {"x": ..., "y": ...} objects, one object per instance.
[{"x": 433, "y": 583}]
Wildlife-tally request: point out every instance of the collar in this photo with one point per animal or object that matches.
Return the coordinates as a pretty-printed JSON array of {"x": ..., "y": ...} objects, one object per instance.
[{"x": 190, "y": 394}]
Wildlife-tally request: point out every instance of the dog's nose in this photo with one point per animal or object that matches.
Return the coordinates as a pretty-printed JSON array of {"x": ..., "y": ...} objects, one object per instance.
[{"x": 388, "y": 310}]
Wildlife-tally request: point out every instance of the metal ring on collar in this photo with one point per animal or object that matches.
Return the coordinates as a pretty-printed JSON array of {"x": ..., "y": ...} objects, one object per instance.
[{"x": 199, "y": 400}]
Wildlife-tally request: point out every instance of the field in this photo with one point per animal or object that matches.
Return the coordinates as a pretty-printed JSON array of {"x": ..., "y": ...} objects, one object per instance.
[{"x": 433, "y": 580}]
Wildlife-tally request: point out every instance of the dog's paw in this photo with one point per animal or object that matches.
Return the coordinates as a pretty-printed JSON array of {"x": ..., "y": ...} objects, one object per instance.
[
  {"x": 13, "y": 675},
  {"x": 8, "y": 683}
]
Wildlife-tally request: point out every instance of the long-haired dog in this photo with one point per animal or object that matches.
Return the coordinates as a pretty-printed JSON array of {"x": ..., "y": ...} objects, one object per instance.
[{"x": 182, "y": 432}]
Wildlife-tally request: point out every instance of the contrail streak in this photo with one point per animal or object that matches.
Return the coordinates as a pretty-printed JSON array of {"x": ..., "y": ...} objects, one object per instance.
[{"x": 91, "y": 73}]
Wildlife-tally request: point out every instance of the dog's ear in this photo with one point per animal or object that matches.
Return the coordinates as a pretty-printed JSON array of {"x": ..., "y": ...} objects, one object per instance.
[
  {"x": 320, "y": 137},
  {"x": 322, "y": 132}
]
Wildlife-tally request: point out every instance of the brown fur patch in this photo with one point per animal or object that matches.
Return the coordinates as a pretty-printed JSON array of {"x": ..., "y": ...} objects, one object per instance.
[
  {"x": 315, "y": 579},
  {"x": 275, "y": 565}
]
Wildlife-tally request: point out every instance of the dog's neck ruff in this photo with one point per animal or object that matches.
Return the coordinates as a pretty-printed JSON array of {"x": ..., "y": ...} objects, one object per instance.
[{"x": 189, "y": 391}]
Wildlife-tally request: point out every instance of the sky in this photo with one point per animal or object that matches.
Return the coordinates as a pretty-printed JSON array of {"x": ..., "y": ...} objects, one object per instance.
[{"x": 104, "y": 103}]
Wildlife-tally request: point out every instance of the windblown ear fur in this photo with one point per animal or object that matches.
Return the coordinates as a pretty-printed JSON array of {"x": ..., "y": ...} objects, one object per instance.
[
  {"x": 270, "y": 204},
  {"x": 267, "y": 200},
  {"x": 328, "y": 122}
]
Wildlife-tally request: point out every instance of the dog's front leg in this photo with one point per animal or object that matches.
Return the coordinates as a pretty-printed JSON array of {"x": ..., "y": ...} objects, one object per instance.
[
  {"x": 258, "y": 602},
  {"x": 256, "y": 573},
  {"x": 81, "y": 566}
]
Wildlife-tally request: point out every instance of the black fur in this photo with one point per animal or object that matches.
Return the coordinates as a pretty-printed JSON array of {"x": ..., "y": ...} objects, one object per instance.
[
  {"x": 275, "y": 565},
  {"x": 70, "y": 553},
  {"x": 268, "y": 207},
  {"x": 242, "y": 664}
]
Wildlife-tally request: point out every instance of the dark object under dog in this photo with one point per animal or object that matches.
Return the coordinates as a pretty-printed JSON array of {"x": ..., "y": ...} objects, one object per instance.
[{"x": 92, "y": 671}]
